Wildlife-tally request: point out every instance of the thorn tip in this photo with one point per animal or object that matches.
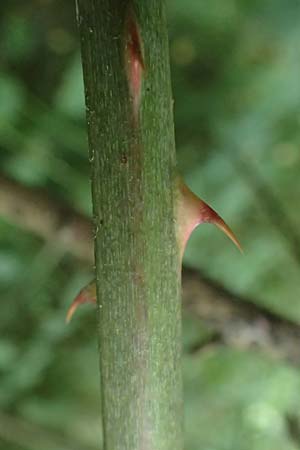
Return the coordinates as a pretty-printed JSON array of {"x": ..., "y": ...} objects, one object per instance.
[{"x": 87, "y": 294}]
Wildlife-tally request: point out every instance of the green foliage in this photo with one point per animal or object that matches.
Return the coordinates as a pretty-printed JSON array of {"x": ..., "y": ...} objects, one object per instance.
[{"x": 235, "y": 73}]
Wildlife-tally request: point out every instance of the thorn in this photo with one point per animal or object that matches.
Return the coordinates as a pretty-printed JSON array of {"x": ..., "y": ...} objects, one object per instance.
[
  {"x": 86, "y": 295},
  {"x": 211, "y": 216},
  {"x": 134, "y": 62},
  {"x": 192, "y": 212}
]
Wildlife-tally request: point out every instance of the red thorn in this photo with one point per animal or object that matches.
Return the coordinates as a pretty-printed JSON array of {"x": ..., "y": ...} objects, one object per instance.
[
  {"x": 134, "y": 62},
  {"x": 192, "y": 212},
  {"x": 86, "y": 295},
  {"x": 209, "y": 215}
]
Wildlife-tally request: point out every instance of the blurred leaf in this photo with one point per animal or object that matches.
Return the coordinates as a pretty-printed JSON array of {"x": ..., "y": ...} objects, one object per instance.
[
  {"x": 70, "y": 97},
  {"x": 12, "y": 99},
  {"x": 17, "y": 38}
]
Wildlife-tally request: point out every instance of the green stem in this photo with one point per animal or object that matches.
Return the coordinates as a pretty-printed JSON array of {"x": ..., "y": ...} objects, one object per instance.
[{"x": 131, "y": 139}]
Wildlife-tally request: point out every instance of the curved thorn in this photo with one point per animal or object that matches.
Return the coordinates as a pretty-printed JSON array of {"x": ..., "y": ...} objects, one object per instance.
[
  {"x": 86, "y": 295},
  {"x": 192, "y": 211},
  {"x": 229, "y": 233},
  {"x": 209, "y": 215}
]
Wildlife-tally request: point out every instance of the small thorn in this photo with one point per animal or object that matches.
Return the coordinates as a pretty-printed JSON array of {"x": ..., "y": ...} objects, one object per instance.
[
  {"x": 134, "y": 61},
  {"x": 86, "y": 295}
]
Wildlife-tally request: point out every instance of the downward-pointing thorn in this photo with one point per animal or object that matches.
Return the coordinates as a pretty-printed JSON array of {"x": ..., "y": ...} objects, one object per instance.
[{"x": 227, "y": 230}]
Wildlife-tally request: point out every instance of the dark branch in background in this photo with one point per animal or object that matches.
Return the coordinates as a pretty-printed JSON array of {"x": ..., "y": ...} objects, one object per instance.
[
  {"x": 234, "y": 321},
  {"x": 239, "y": 322},
  {"x": 33, "y": 210}
]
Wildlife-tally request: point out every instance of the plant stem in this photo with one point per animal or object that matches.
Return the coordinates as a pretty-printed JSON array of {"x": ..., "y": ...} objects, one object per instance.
[{"x": 131, "y": 139}]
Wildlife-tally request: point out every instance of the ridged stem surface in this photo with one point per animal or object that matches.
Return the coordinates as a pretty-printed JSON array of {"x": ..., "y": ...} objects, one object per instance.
[{"x": 131, "y": 139}]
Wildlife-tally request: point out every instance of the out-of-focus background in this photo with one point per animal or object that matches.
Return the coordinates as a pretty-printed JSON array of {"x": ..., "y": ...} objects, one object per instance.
[{"x": 235, "y": 74}]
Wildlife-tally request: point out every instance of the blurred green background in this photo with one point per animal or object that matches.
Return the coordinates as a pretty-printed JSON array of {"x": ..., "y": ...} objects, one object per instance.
[{"x": 235, "y": 74}]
